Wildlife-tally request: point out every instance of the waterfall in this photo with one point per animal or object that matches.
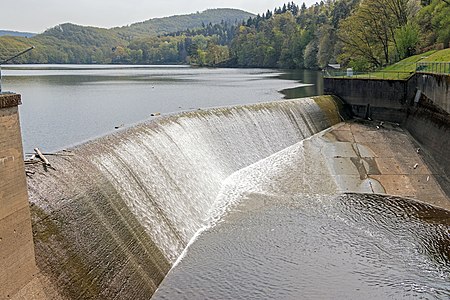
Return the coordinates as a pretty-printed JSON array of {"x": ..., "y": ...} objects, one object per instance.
[{"x": 114, "y": 215}]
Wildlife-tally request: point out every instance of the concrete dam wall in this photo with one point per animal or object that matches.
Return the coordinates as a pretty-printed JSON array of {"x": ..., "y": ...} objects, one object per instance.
[{"x": 112, "y": 216}]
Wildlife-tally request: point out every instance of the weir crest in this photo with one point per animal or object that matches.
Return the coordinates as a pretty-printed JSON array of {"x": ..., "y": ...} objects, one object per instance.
[{"x": 113, "y": 217}]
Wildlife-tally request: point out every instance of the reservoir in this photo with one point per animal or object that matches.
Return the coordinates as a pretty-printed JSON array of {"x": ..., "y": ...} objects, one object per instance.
[{"x": 65, "y": 105}]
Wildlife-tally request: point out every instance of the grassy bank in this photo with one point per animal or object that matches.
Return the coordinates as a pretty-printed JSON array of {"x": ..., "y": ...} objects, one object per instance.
[{"x": 406, "y": 67}]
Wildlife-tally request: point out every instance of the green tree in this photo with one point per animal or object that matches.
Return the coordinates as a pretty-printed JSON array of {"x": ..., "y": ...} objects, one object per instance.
[
  {"x": 407, "y": 38},
  {"x": 370, "y": 33}
]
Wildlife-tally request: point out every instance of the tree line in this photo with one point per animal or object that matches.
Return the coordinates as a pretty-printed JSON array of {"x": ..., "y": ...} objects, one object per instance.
[{"x": 363, "y": 34}]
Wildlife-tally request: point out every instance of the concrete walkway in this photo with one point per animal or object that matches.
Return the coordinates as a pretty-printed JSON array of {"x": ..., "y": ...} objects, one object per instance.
[{"x": 369, "y": 158}]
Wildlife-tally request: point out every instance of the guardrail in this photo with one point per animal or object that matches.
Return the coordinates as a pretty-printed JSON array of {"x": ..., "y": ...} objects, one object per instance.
[
  {"x": 387, "y": 75},
  {"x": 433, "y": 67}
]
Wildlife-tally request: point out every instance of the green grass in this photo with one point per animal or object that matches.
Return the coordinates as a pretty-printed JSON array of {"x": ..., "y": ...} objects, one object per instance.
[
  {"x": 406, "y": 67},
  {"x": 439, "y": 56},
  {"x": 409, "y": 64}
]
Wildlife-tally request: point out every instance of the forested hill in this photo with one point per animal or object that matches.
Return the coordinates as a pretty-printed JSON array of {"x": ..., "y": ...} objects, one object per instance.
[
  {"x": 171, "y": 24},
  {"x": 362, "y": 34},
  {"x": 71, "y": 43}
]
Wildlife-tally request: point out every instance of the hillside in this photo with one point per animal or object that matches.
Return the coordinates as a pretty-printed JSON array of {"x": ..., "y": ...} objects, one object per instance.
[
  {"x": 71, "y": 43},
  {"x": 291, "y": 36},
  {"x": 159, "y": 26}
]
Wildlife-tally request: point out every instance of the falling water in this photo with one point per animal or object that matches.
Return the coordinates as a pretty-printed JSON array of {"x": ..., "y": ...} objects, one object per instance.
[{"x": 111, "y": 216}]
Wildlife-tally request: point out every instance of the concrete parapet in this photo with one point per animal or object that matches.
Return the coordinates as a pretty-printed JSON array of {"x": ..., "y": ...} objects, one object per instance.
[
  {"x": 17, "y": 261},
  {"x": 374, "y": 98}
]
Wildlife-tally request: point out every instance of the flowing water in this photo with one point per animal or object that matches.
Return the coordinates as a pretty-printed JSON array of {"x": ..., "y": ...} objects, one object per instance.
[
  {"x": 319, "y": 247},
  {"x": 65, "y": 105},
  {"x": 111, "y": 216}
]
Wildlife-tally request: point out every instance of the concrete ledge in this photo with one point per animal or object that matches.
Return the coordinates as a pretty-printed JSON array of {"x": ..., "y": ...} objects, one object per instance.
[{"x": 10, "y": 100}]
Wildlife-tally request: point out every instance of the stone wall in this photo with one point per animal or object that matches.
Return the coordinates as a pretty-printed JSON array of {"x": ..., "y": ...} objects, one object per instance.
[{"x": 17, "y": 262}]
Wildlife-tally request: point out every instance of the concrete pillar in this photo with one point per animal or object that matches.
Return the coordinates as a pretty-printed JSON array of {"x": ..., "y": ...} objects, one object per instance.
[{"x": 17, "y": 261}]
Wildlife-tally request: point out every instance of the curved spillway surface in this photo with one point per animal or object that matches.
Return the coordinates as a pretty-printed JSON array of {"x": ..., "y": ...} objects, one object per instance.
[{"x": 112, "y": 216}]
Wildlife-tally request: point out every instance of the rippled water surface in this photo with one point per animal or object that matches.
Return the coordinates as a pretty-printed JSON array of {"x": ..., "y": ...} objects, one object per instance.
[
  {"x": 68, "y": 104},
  {"x": 319, "y": 247}
]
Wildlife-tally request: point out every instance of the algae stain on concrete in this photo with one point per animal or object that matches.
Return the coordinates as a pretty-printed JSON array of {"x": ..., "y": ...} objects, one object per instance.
[
  {"x": 94, "y": 248},
  {"x": 71, "y": 266},
  {"x": 330, "y": 105}
]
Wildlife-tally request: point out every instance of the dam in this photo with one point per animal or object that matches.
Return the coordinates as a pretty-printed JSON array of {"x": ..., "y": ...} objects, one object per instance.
[{"x": 111, "y": 217}]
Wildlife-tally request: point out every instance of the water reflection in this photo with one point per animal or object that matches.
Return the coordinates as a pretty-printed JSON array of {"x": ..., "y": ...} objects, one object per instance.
[{"x": 313, "y": 79}]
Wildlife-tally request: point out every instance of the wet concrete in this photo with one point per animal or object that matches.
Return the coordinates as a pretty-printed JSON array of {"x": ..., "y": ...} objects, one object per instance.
[{"x": 386, "y": 159}]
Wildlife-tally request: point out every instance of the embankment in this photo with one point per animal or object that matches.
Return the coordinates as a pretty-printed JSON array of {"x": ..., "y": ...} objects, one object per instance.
[{"x": 110, "y": 217}]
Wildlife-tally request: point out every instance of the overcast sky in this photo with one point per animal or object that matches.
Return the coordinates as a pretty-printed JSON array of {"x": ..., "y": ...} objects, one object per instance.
[{"x": 39, "y": 15}]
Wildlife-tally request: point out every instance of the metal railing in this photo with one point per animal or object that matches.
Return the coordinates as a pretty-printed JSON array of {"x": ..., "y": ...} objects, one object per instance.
[
  {"x": 387, "y": 75},
  {"x": 433, "y": 67},
  {"x": 402, "y": 71}
]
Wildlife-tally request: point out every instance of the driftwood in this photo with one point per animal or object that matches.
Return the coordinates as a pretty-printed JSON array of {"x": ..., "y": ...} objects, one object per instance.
[
  {"x": 42, "y": 157},
  {"x": 50, "y": 154},
  {"x": 32, "y": 162}
]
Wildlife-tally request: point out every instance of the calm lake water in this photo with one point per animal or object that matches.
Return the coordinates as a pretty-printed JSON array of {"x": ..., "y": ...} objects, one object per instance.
[{"x": 64, "y": 105}]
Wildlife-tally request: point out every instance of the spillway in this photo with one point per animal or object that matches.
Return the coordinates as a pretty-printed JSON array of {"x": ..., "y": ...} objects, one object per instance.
[{"x": 110, "y": 217}]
